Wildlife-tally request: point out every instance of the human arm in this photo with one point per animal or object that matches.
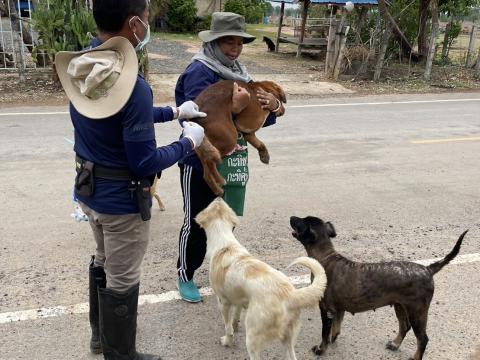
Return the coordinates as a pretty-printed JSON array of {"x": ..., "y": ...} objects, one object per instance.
[
  {"x": 196, "y": 78},
  {"x": 143, "y": 156}
]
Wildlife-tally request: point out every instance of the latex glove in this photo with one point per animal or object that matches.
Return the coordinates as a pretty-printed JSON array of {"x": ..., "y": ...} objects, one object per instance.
[
  {"x": 189, "y": 110},
  {"x": 194, "y": 132}
]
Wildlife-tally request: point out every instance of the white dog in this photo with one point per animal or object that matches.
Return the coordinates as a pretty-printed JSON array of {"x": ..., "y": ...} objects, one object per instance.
[{"x": 241, "y": 281}]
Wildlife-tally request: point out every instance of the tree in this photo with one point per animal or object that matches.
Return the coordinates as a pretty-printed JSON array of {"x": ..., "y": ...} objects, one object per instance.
[
  {"x": 422, "y": 27},
  {"x": 399, "y": 36},
  {"x": 181, "y": 15},
  {"x": 252, "y": 10},
  {"x": 235, "y": 6},
  {"x": 433, "y": 38}
]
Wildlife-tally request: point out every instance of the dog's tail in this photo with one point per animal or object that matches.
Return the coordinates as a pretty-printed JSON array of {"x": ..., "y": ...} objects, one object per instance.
[
  {"x": 437, "y": 266},
  {"x": 312, "y": 294}
]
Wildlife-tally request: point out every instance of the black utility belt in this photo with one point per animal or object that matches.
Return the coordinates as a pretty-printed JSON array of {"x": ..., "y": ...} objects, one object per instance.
[
  {"x": 103, "y": 172},
  {"x": 87, "y": 171}
]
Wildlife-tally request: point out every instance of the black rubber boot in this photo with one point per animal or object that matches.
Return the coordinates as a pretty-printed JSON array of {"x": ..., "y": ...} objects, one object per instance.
[
  {"x": 118, "y": 325},
  {"x": 96, "y": 279}
]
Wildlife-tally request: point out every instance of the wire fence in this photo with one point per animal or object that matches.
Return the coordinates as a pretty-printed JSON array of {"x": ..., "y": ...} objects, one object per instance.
[{"x": 18, "y": 37}]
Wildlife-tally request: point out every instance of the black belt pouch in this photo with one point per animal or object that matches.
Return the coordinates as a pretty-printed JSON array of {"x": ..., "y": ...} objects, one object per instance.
[
  {"x": 85, "y": 180},
  {"x": 143, "y": 198}
]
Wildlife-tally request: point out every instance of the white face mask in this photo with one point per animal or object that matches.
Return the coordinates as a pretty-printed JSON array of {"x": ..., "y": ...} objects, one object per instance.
[{"x": 141, "y": 43}]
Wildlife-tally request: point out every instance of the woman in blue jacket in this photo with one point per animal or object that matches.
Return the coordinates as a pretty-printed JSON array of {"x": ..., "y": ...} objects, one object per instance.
[{"x": 217, "y": 60}]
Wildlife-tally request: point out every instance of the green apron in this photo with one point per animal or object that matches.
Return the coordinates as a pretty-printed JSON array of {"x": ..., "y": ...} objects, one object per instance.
[{"x": 234, "y": 169}]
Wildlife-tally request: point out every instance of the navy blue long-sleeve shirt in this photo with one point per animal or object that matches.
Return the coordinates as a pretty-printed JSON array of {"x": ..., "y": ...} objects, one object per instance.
[
  {"x": 196, "y": 78},
  {"x": 125, "y": 140}
]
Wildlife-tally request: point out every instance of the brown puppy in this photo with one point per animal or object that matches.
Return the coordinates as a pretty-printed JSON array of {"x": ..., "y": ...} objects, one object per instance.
[
  {"x": 357, "y": 287},
  {"x": 219, "y": 101}
]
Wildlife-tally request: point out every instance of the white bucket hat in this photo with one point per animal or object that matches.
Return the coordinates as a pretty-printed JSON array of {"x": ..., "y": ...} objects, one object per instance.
[{"x": 99, "y": 81}]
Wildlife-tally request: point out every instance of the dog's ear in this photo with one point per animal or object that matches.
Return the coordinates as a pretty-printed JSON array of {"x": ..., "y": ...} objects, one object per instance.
[
  {"x": 330, "y": 229},
  {"x": 201, "y": 219}
]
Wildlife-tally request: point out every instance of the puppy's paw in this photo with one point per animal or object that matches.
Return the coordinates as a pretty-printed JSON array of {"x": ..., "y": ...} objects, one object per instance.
[
  {"x": 226, "y": 340},
  {"x": 334, "y": 338},
  {"x": 318, "y": 350},
  {"x": 264, "y": 156},
  {"x": 392, "y": 346}
]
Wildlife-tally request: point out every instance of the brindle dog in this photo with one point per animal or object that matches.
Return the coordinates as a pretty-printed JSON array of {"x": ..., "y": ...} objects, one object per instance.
[{"x": 356, "y": 287}]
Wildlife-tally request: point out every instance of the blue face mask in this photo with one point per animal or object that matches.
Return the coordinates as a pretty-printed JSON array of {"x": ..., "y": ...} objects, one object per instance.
[{"x": 142, "y": 43}]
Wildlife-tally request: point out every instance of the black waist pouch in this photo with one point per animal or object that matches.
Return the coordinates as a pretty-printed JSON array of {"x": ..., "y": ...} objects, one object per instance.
[{"x": 85, "y": 180}]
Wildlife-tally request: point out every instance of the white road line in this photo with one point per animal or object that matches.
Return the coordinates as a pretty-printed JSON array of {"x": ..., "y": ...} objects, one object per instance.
[
  {"x": 289, "y": 107},
  {"x": 384, "y": 103},
  {"x": 439, "y": 141},
  {"x": 35, "y": 314}
]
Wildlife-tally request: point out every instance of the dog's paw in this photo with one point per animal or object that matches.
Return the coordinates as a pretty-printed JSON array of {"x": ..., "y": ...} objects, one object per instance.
[
  {"x": 318, "y": 350},
  {"x": 264, "y": 156},
  {"x": 392, "y": 346},
  {"x": 226, "y": 340},
  {"x": 334, "y": 338}
]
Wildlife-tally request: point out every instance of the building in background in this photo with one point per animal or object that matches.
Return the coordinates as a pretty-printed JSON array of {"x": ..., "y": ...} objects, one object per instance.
[{"x": 207, "y": 7}]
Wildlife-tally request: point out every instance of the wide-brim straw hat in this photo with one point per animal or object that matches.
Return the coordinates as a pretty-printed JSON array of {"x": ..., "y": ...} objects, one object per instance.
[
  {"x": 226, "y": 24},
  {"x": 99, "y": 81}
]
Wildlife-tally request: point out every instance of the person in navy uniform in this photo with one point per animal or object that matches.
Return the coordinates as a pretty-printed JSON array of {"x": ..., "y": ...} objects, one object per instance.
[{"x": 116, "y": 158}]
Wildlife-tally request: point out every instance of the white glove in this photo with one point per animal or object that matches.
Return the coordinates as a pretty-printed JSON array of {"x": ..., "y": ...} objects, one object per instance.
[
  {"x": 194, "y": 132},
  {"x": 189, "y": 110}
]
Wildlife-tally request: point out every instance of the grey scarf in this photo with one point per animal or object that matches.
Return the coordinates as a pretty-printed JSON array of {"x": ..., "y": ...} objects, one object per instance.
[{"x": 211, "y": 55}]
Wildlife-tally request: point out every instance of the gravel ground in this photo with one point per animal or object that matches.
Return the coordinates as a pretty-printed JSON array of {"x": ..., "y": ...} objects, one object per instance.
[{"x": 172, "y": 57}]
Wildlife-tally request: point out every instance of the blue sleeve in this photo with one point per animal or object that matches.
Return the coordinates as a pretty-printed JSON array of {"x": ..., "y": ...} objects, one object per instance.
[
  {"x": 196, "y": 79},
  {"x": 162, "y": 114},
  {"x": 271, "y": 119},
  {"x": 144, "y": 158}
]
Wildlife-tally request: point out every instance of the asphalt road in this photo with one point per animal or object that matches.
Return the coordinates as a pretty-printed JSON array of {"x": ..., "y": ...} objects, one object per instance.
[{"x": 398, "y": 180}]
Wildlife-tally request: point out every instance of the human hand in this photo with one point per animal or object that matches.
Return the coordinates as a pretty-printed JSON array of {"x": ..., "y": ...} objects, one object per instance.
[
  {"x": 268, "y": 101},
  {"x": 189, "y": 110},
  {"x": 193, "y": 132}
]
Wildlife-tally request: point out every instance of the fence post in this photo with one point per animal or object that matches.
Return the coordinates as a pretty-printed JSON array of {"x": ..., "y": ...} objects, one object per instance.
[
  {"x": 306, "y": 4},
  {"x": 329, "y": 57},
  {"x": 343, "y": 41},
  {"x": 471, "y": 47},
  {"x": 280, "y": 23}
]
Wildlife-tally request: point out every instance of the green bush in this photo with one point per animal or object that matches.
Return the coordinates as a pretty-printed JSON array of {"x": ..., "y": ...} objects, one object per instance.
[
  {"x": 61, "y": 26},
  {"x": 236, "y": 6},
  {"x": 202, "y": 24},
  {"x": 181, "y": 15},
  {"x": 254, "y": 14}
]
